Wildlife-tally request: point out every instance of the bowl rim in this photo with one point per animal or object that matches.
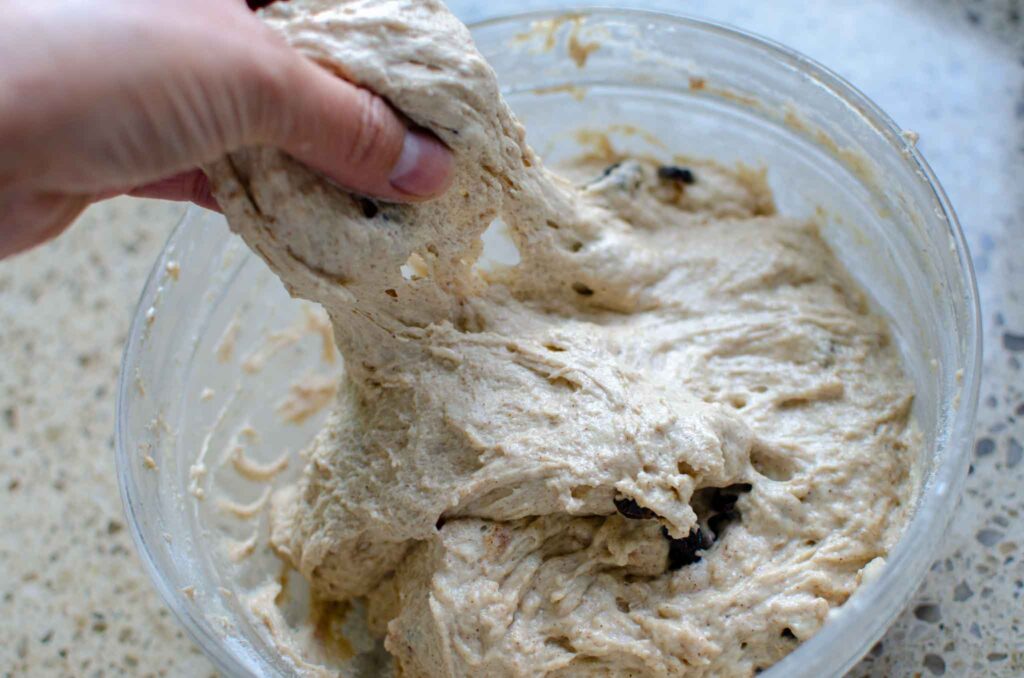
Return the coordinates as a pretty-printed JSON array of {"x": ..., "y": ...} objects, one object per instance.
[{"x": 939, "y": 492}]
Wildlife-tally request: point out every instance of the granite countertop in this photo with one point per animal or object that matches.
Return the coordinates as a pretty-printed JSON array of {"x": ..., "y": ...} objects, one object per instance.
[{"x": 73, "y": 597}]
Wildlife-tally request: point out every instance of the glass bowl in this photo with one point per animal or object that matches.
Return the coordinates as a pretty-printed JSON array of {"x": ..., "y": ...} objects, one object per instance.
[{"x": 217, "y": 344}]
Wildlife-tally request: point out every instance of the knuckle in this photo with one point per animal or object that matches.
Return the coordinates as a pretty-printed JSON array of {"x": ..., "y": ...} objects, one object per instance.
[
  {"x": 268, "y": 84},
  {"x": 370, "y": 136}
]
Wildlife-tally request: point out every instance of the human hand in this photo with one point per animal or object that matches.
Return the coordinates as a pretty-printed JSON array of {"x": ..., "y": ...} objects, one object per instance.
[{"x": 131, "y": 96}]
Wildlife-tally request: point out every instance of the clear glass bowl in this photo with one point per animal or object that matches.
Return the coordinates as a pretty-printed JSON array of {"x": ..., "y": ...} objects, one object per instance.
[{"x": 661, "y": 85}]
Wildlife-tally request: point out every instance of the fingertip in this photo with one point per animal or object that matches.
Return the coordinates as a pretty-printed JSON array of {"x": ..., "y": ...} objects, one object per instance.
[
  {"x": 355, "y": 138},
  {"x": 425, "y": 167}
]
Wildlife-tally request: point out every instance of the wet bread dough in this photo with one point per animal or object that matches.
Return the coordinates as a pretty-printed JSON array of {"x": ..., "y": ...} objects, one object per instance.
[{"x": 666, "y": 442}]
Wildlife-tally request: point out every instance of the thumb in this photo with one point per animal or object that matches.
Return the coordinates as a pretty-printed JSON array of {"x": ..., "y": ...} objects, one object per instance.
[{"x": 356, "y": 139}]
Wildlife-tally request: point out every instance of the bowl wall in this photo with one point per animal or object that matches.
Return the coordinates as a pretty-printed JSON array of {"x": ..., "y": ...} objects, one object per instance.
[{"x": 655, "y": 85}]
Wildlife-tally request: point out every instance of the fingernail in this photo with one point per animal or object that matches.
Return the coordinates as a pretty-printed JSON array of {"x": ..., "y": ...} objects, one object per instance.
[{"x": 424, "y": 168}]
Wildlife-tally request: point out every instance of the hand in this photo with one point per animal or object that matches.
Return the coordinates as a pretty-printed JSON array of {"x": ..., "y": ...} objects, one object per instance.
[{"x": 99, "y": 98}]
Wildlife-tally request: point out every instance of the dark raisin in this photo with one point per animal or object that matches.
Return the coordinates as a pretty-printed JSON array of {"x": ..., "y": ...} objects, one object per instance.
[
  {"x": 718, "y": 522},
  {"x": 609, "y": 169},
  {"x": 259, "y": 4},
  {"x": 722, "y": 502},
  {"x": 632, "y": 510},
  {"x": 682, "y": 552},
  {"x": 582, "y": 290},
  {"x": 673, "y": 173},
  {"x": 724, "y": 498},
  {"x": 788, "y": 633},
  {"x": 369, "y": 208}
]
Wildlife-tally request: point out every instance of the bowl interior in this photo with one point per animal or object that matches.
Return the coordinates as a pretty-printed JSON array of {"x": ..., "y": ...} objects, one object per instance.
[{"x": 208, "y": 402}]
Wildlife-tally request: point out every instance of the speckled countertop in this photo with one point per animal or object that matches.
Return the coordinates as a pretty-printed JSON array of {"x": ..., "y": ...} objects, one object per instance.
[{"x": 73, "y": 598}]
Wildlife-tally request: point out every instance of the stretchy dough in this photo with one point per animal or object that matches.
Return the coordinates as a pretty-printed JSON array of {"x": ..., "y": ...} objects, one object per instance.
[{"x": 666, "y": 442}]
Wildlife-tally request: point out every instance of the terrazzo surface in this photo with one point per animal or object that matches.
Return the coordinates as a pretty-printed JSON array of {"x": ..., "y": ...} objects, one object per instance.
[{"x": 73, "y": 597}]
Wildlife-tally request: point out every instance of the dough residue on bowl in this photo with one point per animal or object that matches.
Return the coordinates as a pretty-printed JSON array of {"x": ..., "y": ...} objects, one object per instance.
[{"x": 666, "y": 442}]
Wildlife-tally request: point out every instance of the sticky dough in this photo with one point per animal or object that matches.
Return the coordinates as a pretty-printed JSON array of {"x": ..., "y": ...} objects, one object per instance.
[{"x": 667, "y": 442}]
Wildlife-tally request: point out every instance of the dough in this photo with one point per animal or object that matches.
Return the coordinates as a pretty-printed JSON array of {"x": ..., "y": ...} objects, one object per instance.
[{"x": 665, "y": 443}]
